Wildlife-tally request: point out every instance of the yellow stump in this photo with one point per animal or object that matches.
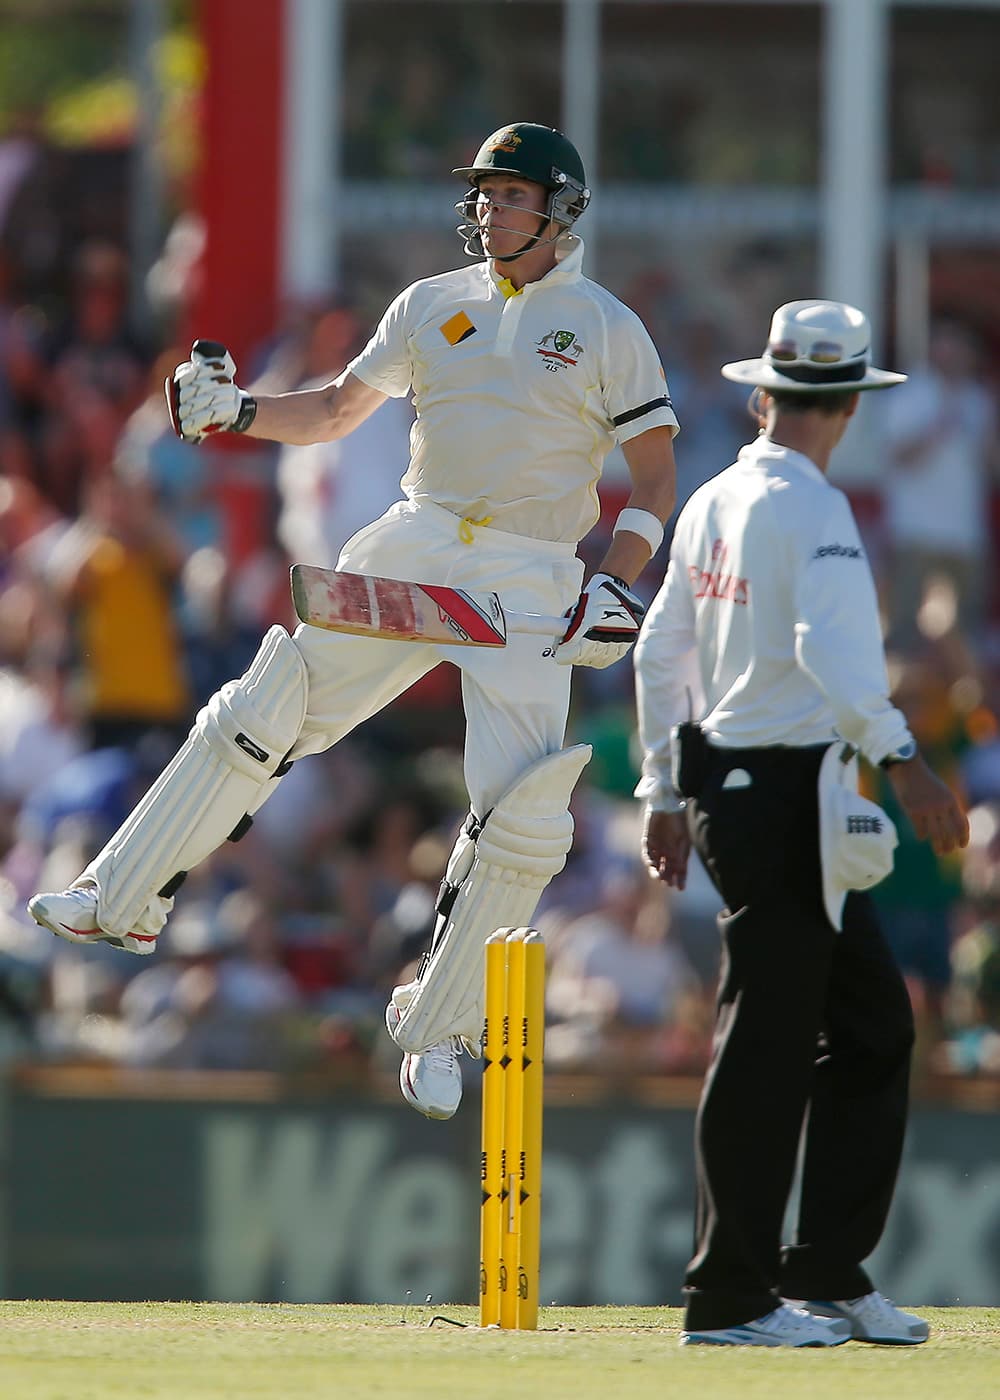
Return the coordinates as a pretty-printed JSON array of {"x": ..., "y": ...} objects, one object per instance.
[
  {"x": 511, "y": 1167},
  {"x": 491, "y": 1223},
  {"x": 513, "y": 1108},
  {"x": 532, "y": 1076}
]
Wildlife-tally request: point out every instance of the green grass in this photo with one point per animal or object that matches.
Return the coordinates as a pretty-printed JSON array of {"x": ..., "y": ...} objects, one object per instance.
[{"x": 215, "y": 1351}]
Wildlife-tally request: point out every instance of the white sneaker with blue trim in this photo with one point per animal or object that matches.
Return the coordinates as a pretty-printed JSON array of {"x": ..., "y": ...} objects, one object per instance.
[
  {"x": 873, "y": 1318},
  {"x": 784, "y": 1327}
]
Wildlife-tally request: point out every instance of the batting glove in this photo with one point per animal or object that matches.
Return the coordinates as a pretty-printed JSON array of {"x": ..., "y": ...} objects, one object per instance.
[
  {"x": 603, "y": 624},
  {"x": 202, "y": 398}
]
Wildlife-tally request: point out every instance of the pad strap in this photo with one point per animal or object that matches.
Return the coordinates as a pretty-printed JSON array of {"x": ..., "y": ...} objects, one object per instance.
[
  {"x": 223, "y": 771},
  {"x": 523, "y": 843}
]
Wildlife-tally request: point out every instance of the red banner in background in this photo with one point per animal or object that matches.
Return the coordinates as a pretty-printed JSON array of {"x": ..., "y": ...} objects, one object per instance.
[
  {"x": 239, "y": 180},
  {"x": 239, "y": 193}
]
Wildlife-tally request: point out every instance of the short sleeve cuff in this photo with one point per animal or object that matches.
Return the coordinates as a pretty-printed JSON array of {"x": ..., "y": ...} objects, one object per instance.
[
  {"x": 385, "y": 384},
  {"x": 661, "y": 417}
]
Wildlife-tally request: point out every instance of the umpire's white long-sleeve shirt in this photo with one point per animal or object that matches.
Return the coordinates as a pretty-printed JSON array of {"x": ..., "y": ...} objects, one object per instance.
[{"x": 769, "y": 586}]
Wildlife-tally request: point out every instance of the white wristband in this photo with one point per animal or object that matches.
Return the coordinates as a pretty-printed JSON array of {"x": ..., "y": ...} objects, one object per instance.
[{"x": 643, "y": 523}]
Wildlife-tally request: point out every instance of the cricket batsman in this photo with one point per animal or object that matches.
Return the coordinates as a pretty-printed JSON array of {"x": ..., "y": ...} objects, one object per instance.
[{"x": 524, "y": 374}]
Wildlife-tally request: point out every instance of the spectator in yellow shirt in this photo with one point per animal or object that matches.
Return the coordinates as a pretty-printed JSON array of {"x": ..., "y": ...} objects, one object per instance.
[{"x": 114, "y": 570}]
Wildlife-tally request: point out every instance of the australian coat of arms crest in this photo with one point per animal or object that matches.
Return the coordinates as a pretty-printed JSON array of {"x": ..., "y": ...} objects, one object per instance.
[{"x": 559, "y": 348}]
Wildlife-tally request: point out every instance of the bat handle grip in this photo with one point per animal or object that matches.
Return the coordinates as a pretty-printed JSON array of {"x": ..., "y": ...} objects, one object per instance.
[
  {"x": 537, "y": 624},
  {"x": 209, "y": 350}
]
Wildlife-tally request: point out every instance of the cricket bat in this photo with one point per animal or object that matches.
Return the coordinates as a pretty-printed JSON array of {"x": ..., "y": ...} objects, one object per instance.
[{"x": 369, "y": 606}]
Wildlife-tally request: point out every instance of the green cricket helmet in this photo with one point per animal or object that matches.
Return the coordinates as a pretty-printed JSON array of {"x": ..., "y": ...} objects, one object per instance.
[{"x": 531, "y": 152}]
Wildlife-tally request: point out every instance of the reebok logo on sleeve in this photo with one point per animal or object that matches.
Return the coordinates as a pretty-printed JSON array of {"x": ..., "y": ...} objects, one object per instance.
[{"x": 840, "y": 551}]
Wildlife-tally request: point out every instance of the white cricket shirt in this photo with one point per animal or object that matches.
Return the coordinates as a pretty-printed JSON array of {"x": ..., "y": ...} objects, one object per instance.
[
  {"x": 519, "y": 398},
  {"x": 769, "y": 585}
]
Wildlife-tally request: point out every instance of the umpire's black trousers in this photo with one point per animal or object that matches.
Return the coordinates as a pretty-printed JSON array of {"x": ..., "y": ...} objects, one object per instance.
[{"x": 813, "y": 1027}]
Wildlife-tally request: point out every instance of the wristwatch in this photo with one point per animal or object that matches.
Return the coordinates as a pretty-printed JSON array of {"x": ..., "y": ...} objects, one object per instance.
[{"x": 901, "y": 755}]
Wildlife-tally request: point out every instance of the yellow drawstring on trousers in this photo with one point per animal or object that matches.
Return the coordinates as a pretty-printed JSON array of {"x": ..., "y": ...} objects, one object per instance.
[{"x": 467, "y": 526}]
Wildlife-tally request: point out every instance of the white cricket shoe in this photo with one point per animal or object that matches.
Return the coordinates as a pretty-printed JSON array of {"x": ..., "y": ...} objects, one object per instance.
[
  {"x": 873, "y": 1318},
  {"x": 430, "y": 1080},
  {"x": 784, "y": 1327},
  {"x": 72, "y": 914}
]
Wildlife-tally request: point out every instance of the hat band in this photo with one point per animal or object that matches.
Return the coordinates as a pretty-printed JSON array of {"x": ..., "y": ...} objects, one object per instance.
[{"x": 821, "y": 374}]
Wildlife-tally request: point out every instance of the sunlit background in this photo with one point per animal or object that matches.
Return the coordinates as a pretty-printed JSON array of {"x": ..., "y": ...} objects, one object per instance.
[{"x": 270, "y": 173}]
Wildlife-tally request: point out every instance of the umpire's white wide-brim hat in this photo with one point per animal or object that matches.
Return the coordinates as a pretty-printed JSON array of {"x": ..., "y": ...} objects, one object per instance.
[
  {"x": 856, "y": 838},
  {"x": 815, "y": 347}
]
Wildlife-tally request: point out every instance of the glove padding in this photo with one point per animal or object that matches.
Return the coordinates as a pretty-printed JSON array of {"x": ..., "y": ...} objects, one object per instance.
[
  {"x": 202, "y": 398},
  {"x": 603, "y": 624}
]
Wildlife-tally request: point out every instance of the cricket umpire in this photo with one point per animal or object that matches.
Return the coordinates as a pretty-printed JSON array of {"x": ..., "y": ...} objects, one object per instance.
[{"x": 769, "y": 592}]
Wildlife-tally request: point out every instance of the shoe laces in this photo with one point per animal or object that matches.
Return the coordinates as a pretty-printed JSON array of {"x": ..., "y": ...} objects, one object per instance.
[
  {"x": 442, "y": 1054},
  {"x": 784, "y": 1318},
  {"x": 872, "y": 1307}
]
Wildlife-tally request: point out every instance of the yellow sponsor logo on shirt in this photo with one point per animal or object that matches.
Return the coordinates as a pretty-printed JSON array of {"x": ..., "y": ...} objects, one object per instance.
[{"x": 457, "y": 327}]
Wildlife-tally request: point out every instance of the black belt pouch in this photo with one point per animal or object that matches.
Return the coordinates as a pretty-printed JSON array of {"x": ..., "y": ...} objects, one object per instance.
[{"x": 689, "y": 758}]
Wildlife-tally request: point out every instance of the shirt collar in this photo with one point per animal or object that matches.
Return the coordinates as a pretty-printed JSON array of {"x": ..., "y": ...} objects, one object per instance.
[
  {"x": 568, "y": 268},
  {"x": 765, "y": 453}
]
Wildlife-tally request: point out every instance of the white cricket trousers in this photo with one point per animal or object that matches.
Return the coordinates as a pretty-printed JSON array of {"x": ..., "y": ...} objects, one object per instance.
[{"x": 516, "y": 697}]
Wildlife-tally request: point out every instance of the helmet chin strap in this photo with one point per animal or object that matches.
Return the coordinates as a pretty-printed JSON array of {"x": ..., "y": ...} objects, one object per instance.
[
  {"x": 472, "y": 233},
  {"x": 535, "y": 240}
]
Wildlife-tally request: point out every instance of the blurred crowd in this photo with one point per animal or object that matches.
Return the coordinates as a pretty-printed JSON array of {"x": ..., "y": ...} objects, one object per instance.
[{"x": 137, "y": 574}]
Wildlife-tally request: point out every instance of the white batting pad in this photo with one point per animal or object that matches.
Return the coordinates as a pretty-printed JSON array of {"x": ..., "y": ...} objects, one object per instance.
[
  {"x": 523, "y": 843},
  {"x": 220, "y": 773}
]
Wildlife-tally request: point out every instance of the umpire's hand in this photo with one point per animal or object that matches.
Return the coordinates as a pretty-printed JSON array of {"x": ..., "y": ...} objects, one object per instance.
[
  {"x": 666, "y": 847},
  {"x": 933, "y": 809}
]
